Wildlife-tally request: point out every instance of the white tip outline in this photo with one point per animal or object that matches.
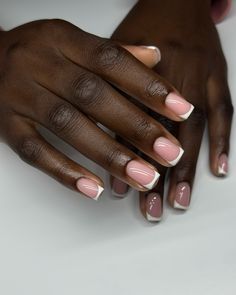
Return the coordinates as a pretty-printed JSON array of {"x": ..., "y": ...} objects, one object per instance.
[
  {"x": 178, "y": 206},
  {"x": 151, "y": 184},
  {"x": 221, "y": 171},
  {"x": 121, "y": 196},
  {"x": 186, "y": 115},
  {"x": 100, "y": 190},
  {"x": 152, "y": 218},
  {"x": 157, "y": 51},
  {"x": 174, "y": 162}
]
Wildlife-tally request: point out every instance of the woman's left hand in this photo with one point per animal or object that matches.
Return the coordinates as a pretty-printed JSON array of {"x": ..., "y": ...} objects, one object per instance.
[{"x": 193, "y": 61}]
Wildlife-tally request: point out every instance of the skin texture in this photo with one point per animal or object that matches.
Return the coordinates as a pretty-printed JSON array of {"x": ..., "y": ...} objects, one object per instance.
[
  {"x": 192, "y": 59},
  {"x": 56, "y": 75}
]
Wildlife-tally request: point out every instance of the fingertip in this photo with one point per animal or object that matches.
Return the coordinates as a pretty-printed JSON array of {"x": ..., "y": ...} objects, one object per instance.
[
  {"x": 119, "y": 188},
  {"x": 149, "y": 55}
]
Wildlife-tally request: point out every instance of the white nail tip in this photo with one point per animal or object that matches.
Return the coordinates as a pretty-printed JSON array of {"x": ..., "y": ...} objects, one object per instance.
[
  {"x": 152, "y": 218},
  {"x": 186, "y": 115},
  {"x": 221, "y": 171},
  {"x": 178, "y": 206},
  {"x": 153, "y": 182},
  {"x": 157, "y": 51},
  {"x": 117, "y": 195},
  {"x": 174, "y": 162},
  {"x": 100, "y": 190}
]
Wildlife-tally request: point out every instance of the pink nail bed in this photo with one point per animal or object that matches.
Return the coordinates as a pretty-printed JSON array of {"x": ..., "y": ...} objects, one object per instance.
[
  {"x": 179, "y": 105},
  {"x": 142, "y": 174},
  {"x": 119, "y": 188},
  {"x": 89, "y": 188},
  {"x": 223, "y": 166},
  {"x": 182, "y": 196},
  {"x": 169, "y": 151},
  {"x": 153, "y": 207}
]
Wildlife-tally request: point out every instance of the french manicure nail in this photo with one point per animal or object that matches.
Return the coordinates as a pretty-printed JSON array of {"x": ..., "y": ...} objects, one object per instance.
[
  {"x": 119, "y": 188},
  {"x": 156, "y": 50},
  {"x": 153, "y": 207},
  {"x": 142, "y": 174},
  {"x": 89, "y": 187},
  {"x": 179, "y": 105},
  {"x": 182, "y": 196},
  {"x": 223, "y": 165},
  {"x": 169, "y": 151}
]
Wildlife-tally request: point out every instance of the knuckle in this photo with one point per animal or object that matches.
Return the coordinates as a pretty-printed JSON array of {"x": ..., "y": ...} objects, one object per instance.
[
  {"x": 114, "y": 156},
  {"x": 86, "y": 90},
  {"x": 109, "y": 54},
  {"x": 185, "y": 170},
  {"x": 143, "y": 129},
  {"x": 61, "y": 117},
  {"x": 155, "y": 88},
  {"x": 198, "y": 117},
  {"x": 15, "y": 52},
  {"x": 29, "y": 149}
]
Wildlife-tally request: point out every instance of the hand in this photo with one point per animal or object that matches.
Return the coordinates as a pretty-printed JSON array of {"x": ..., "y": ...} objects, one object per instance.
[
  {"x": 56, "y": 75},
  {"x": 192, "y": 59}
]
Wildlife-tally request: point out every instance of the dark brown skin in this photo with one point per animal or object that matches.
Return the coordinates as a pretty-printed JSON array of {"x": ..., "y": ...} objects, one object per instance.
[
  {"x": 56, "y": 75},
  {"x": 192, "y": 59}
]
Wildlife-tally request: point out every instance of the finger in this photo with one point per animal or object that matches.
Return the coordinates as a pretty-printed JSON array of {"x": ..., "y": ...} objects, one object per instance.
[
  {"x": 148, "y": 55},
  {"x": 119, "y": 188},
  {"x": 151, "y": 202},
  {"x": 97, "y": 99},
  {"x": 33, "y": 149},
  {"x": 109, "y": 60},
  {"x": 220, "y": 113},
  {"x": 182, "y": 175},
  {"x": 76, "y": 129}
]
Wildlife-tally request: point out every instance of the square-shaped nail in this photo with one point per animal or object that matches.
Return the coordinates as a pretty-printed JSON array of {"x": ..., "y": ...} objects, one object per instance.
[{"x": 169, "y": 151}]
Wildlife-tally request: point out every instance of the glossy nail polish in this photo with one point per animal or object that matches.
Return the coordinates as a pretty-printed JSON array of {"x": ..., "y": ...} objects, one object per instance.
[
  {"x": 169, "y": 151},
  {"x": 223, "y": 165},
  {"x": 156, "y": 50},
  {"x": 182, "y": 196},
  {"x": 179, "y": 105},
  {"x": 142, "y": 174},
  {"x": 119, "y": 188},
  {"x": 153, "y": 207},
  {"x": 89, "y": 188}
]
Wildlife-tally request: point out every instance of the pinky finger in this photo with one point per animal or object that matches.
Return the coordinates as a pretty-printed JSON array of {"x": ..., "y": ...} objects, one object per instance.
[
  {"x": 32, "y": 148},
  {"x": 220, "y": 113}
]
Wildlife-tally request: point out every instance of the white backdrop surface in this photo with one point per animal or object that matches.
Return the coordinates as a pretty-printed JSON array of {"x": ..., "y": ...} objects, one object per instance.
[{"x": 52, "y": 241}]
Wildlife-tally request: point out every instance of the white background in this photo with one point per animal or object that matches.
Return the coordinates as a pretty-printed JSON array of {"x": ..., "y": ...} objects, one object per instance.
[{"x": 53, "y": 241}]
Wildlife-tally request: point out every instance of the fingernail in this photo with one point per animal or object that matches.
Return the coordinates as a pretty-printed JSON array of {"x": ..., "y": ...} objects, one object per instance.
[
  {"x": 156, "y": 50},
  {"x": 142, "y": 174},
  {"x": 182, "y": 196},
  {"x": 223, "y": 165},
  {"x": 169, "y": 151},
  {"x": 89, "y": 187},
  {"x": 179, "y": 105},
  {"x": 119, "y": 188},
  {"x": 153, "y": 207}
]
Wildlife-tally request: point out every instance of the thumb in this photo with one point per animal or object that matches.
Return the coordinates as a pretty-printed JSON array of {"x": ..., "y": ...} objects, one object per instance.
[{"x": 149, "y": 55}]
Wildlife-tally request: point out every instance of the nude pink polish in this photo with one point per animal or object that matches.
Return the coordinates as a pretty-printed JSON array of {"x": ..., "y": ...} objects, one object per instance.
[
  {"x": 142, "y": 174},
  {"x": 223, "y": 166},
  {"x": 89, "y": 188},
  {"x": 153, "y": 207},
  {"x": 169, "y": 151},
  {"x": 182, "y": 196},
  {"x": 119, "y": 188},
  {"x": 179, "y": 105}
]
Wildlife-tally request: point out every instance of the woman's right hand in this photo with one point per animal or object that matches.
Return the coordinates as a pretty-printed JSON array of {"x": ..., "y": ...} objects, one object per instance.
[{"x": 56, "y": 75}]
